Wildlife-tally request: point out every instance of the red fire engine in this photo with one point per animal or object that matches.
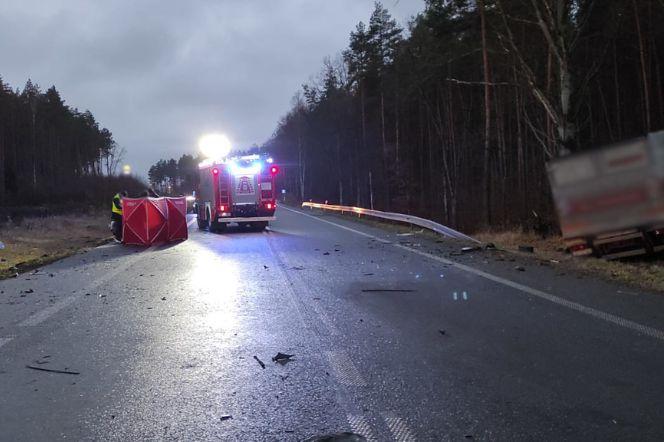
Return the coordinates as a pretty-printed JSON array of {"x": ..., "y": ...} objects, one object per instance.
[{"x": 236, "y": 190}]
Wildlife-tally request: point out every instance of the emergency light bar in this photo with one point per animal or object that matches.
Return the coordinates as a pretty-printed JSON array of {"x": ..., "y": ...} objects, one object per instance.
[{"x": 252, "y": 169}]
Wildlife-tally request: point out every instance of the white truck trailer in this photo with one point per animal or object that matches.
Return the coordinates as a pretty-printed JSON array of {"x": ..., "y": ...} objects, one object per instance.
[{"x": 610, "y": 201}]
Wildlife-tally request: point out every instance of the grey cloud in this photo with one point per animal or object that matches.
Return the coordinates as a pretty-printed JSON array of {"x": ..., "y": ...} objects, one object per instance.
[{"x": 160, "y": 73}]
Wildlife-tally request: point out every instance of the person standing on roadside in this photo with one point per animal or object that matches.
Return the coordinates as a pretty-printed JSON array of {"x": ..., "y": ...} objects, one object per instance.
[{"x": 116, "y": 215}]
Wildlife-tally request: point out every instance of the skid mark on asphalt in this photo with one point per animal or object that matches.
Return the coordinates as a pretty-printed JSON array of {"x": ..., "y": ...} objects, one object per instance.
[
  {"x": 608, "y": 317},
  {"x": 298, "y": 301},
  {"x": 399, "y": 428},
  {"x": 42, "y": 315},
  {"x": 344, "y": 369},
  {"x": 360, "y": 425}
]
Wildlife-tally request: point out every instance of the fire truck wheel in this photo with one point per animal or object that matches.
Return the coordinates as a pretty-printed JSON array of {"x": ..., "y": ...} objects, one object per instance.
[{"x": 202, "y": 223}]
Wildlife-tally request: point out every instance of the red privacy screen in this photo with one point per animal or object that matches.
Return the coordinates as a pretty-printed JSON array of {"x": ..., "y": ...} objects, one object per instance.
[
  {"x": 148, "y": 221},
  {"x": 177, "y": 219}
]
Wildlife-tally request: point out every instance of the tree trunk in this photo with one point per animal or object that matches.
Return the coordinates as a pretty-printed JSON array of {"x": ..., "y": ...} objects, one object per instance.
[
  {"x": 487, "y": 118},
  {"x": 386, "y": 174},
  {"x": 644, "y": 76}
]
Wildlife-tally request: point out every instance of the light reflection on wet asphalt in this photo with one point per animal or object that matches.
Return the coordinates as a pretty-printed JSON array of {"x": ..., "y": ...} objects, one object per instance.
[{"x": 385, "y": 342}]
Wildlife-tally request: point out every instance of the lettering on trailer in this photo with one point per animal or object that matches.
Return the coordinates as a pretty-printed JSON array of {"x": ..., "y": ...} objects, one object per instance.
[{"x": 244, "y": 186}]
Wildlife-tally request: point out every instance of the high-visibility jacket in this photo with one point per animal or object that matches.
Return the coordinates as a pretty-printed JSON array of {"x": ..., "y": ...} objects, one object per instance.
[{"x": 116, "y": 206}]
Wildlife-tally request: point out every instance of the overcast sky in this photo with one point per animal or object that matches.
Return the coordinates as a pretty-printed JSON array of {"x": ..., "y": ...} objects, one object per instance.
[{"x": 159, "y": 73}]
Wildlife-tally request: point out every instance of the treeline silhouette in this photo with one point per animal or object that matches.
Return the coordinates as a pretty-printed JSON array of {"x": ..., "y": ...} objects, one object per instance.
[
  {"x": 455, "y": 118},
  {"x": 175, "y": 177},
  {"x": 52, "y": 154}
]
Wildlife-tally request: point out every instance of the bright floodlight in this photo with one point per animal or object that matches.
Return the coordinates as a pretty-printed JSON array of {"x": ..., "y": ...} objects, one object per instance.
[
  {"x": 126, "y": 169},
  {"x": 214, "y": 146}
]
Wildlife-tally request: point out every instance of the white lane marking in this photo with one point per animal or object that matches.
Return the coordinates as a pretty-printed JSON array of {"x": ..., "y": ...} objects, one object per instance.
[
  {"x": 344, "y": 369},
  {"x": 40, "y": 316},
  {"x": 384, "y": 241},
  {"x": 399, "y": 429},
  {"x": 360, "y": 425},
  {"x": 43, "y": 315},
  {"x": 4, "y": 341},
  {"x": 325, "y": 319},
  {"x": 608, "y": 317}
]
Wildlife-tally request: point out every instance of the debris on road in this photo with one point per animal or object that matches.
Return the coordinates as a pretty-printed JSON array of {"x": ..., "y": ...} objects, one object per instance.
[
  {"x": 224, "y": 417},
  {"x": 52, "y": 370},
  {"x": 527, "y": 249},
  {"x": 387, "y": 290},
  {"x": 265, "y": 267},
  {"x": 470, "y": 249},
  {"x": 282, "y": 358},
  {"x": 442, "y": 332},
  {"x": 163, "y": 298},
  {"x": 490, "y": 246},
  {"x": 326, "y": 253},
  {"x": 520, "y": 268},
  {"x": 261, "y": 363},
  {"x": 297, "y": 268},
  {"x": 27, "y": 291}
]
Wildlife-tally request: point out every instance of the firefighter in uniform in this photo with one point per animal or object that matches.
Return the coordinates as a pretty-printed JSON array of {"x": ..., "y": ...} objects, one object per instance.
[{"x": 116, "y": 215}]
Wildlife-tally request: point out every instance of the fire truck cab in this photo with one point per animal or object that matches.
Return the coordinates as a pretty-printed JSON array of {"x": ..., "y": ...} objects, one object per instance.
[{"x": 236, "y": 190}]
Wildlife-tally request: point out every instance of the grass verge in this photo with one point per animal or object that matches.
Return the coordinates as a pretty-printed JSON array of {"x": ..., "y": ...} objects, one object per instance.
[{"x": 35, "y": 242}]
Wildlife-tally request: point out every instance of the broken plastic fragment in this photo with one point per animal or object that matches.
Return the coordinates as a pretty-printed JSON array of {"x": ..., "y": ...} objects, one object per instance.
[
  {"x": 260, "y": 362},
  {"x": 282, "y": 358}
]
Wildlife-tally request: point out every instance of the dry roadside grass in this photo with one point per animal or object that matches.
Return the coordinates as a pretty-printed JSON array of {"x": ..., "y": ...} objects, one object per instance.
[
  {"x": 644, "y": 272},
  {"x": 38, "y": 241}
]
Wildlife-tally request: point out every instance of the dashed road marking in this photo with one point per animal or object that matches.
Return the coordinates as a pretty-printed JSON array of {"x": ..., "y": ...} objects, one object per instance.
[
  {"x": 42, "y": 315},
  {"x": 360, "y": 425},
  {"x": 608, "y": 317},
  {"x": 344, "y": 369},
  {"x": 399, "y": 428},
  {"x": 4, "y": 341}
]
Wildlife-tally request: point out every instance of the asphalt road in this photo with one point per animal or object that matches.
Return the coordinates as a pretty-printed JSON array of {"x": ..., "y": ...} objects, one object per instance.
[{"x": 394, "y": 337}]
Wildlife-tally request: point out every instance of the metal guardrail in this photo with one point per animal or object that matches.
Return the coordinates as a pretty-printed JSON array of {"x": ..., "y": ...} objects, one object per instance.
[{"x": 400, "y": 217}]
